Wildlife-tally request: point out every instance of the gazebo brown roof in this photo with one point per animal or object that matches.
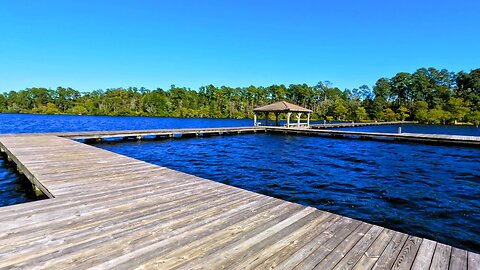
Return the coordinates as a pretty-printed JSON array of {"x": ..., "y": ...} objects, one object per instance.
[{"x": 282, "y": 107}]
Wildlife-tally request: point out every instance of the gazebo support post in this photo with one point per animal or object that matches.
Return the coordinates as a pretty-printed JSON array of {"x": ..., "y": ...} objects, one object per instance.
[
  {"x": 276, "y": 119},
  {"x": 288, "y": 119},
  {"x": 255, "y": 119},
  {"x": 299, "y": 115},
  {"x": 308, "y": 120},
  {"x": 266, "y": 119}
]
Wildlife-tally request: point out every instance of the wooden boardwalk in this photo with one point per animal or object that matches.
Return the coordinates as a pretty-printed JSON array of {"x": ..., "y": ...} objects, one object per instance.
[
  {"x": 353, "y": 124},
  {"x": 143, "y": 134},
  {"x": 93, "y": 136},
  {"x": 159, "y": 133},
  {"x": 111, "y": 211},
  {"x": 473, "y": 141}
]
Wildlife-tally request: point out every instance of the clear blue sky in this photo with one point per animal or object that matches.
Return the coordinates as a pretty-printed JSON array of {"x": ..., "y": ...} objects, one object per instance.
[{"x": 91, "y": 45}]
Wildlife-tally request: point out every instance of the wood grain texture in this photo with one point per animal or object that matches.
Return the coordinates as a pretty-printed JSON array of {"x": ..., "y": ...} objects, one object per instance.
[
  {"x": 473, "y": 261},
  {"x": 407, "y": 253},
  {"x": 441, "y": 257},
  {"x": 424, "y": 257},
  {"x": 458, "y": 259}
]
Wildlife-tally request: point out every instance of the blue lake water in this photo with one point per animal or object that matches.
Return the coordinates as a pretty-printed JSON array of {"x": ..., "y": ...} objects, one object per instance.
[
  {"x": 14, "y": 188},
  {"x": 424, "y": 190},
  {"x": 26, "y": 123}
]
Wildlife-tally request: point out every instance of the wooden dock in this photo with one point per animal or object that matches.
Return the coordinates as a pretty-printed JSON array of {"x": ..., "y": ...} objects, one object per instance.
[
  {"x": 98, "y": 136},
  {"x": 472, "y": 141},
  {"x": 145, "y": 134},
  {"x": 111, "y": 211},
  {"x": 360, "y": 124}
]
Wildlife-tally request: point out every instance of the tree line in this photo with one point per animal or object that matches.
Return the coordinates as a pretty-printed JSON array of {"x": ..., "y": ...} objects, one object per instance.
[{"x": 427, "y": 95}]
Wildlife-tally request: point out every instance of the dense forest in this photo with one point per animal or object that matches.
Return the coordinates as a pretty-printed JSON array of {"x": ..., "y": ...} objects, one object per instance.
[{"x": 427, "y": 95}]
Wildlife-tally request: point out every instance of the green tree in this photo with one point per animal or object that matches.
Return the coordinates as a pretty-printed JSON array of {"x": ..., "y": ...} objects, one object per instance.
[
  {"x": 421, "y": 111},
  {"x": 438, "y": 116},
  {"x": 400, "y": 87},
  {"x": 361, "y": 114},
  {"x": 421, "y": 88},
  {"x": 340, "y": 111},
  {"x": 458, "y": 108},
  {"x": 389, "y": 115},
  {"x": 383, "y": 89},
  {"x": 3, "y": 103},
  {"x": 474, "y": 117},
  {"x": 402, "y": 113}
]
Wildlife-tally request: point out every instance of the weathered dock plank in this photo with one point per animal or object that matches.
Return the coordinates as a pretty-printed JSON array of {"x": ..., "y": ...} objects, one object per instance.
[
  {"x": 458, "y": 260},
  {"x": 425, "y": 255},
  {"x": 111, "y": 211},
  {"x": 372, "y": 254}
]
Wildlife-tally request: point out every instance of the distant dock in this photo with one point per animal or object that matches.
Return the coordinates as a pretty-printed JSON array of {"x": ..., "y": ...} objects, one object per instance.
[
  {"x": 111, "y": 211},
  {"x": 145, "y": 134},
  {"x": 359, "y": 124},
  {"x": 442, "y": 139},
  {"x": 322, "y": 131}
]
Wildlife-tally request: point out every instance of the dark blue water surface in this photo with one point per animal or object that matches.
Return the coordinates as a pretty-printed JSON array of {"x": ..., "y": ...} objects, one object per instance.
[
  {"x": 424, "y": 190},
  {"x": 14, "y": 188},
  {"x": 26, "y": 123}
]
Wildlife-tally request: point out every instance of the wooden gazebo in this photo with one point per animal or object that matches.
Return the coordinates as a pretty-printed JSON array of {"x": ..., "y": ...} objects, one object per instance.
[{"x": 283, "y": 107}]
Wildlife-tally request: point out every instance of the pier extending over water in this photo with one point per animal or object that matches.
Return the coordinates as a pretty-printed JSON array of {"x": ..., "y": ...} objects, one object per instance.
[
  {"x": 359, "y": 124},
  {"x": 472, "y": 141},
  {"x": 111, "y": 211},
  {"x": 98, "y": 136}
]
